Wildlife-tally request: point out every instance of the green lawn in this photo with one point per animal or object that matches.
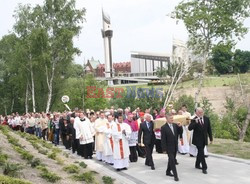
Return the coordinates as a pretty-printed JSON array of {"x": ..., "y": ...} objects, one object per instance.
[
  {"x": 230, "y": 148},
  {"x": 209, "y": 81}
]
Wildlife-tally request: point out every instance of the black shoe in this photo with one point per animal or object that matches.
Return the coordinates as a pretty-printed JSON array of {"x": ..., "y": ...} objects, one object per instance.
[
  {"x": 206, "y": 156},
  {"x": 152, "y": 167},
  {"x": 191, "y": 155},
  {"x": 169, "y": 174},
  {"x": 198, "y": 167},
  {"x": 176, "y": 163},
  {"x": 118, "y": 170},
  {"x": 125, "y": 168},
  {"x": 204, "y": 171},
  {"x": 176, "y": 179}
]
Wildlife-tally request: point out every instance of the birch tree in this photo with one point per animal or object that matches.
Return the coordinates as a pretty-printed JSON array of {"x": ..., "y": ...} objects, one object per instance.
[
  {"x": 178, "y": 68},
  {"x": 23, "y": 27},
  {"x": 62, "y": 22},
  {"x": 209, "y": 22}
]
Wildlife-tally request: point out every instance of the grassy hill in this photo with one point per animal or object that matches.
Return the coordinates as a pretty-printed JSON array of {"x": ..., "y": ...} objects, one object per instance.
[{"x": 209, "y": 81}]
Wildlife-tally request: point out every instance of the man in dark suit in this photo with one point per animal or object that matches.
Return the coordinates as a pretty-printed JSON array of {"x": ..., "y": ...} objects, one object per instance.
[
  {"x": 202, "y": 129},
  {"x": 169, "y": 143},
  {"x": 146, "y": 130}
]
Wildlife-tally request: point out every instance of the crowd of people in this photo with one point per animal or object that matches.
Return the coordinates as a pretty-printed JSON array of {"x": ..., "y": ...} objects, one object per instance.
[{"x": 118, "y": 137}]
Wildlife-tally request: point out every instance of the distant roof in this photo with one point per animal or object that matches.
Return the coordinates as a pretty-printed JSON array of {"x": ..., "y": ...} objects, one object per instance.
[
  {"x": 117, "y": 65},
  {"x": 94, "y": 63},
  {"x": 151, "y": 55}
]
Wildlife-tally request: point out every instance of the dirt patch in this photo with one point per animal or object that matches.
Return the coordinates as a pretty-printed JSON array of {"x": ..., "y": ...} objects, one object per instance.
[
  {"x": 27, "y": 172},
  {"x": 215, "y": 95},
  {"x": 52, "y": 165}
]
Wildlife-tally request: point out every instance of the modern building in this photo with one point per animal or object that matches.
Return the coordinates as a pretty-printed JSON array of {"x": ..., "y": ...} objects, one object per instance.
[{"x": 147, "y": 63}]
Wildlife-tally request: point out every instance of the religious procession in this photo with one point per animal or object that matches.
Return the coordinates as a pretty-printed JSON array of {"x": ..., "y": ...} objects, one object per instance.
[{"x": 118, "y": 137}]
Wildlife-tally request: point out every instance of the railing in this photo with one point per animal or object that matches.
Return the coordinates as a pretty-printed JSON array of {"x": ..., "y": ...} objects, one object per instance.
[{"x": 146, "y": 74}]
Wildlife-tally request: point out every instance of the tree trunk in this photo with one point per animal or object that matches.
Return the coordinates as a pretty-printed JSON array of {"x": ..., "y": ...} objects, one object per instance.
[
  {"x": 176, "y": 82},
  {"x": 12, "y": 105},
  {"x": 50, "y": 86},
  {"x": 32, "y": 82},
  {"x": 201, "y": 79},
  {"x": 33, "y": 89},
  {"x": 245, "y": 126},
  {"x": 170, "y": 88},
  {"x": 5, "y": 110},
  {"x": 27, "y": 98}
]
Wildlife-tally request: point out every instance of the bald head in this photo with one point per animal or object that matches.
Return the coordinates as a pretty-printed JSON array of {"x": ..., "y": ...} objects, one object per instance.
[
  {"x": 199, "y": 112},
  {"x": 147, "y": 117}
]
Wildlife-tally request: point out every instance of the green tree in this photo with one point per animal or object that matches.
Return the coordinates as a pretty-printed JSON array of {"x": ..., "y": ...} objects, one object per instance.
[
  {"x": 185, "y": 100},
  {"x": 75, "y": 88},
  {"x": 48, "y": 31},
  {"x": 222, "y": 58},
  {"x": 210, "y": 21},
  {"x": 11, "y": 90},
  {"x": 241, "y": 61}
]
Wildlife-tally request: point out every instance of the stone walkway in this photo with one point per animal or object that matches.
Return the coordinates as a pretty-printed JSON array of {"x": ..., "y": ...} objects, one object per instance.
[{"x": 221, "y": 169}]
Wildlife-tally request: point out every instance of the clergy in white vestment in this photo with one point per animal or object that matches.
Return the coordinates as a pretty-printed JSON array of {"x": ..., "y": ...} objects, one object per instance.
[
  {"x": 108, "y": 141},
  {"x": 86, "y": 132},
  {"x": 76, "y": 125},
  {"x": 183, "y": 145},
  {"x": 100, "y": 125},
  {"x": 121, "y": 133}
]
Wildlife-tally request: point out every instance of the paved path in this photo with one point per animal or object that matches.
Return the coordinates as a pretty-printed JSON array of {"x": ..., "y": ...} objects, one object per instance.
[{"x": 221, "y": 169}]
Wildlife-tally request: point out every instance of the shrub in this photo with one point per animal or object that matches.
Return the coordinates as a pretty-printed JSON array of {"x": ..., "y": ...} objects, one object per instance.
[
  {"x": 10, "y": 180},
  {"x": 24, "y": 154},
  {"x": 14, "y": 141},
  {"x": 43, "y": 151},
  {"x": 83, "y": 165},
  {"x": 35, "y": 145},
  {"x": 56, "y": 150},
  {"x": 87, "y": 177},
  {"x": 35, "y": 162},
  {"x": 52, "y": 155},
  {"x": 11, "y": 169},
  {"x": 71, "y": 168},
  {"x": 107, "y": 180},
  {"x": 47, "y": 145},
  {"x": 48, "y": 176},
  {"x": 66, "y": 155},
  {"x": 59, "y": 161},
  {"x": 32, "y": 138},
  {"x": 3, "y": 159}
]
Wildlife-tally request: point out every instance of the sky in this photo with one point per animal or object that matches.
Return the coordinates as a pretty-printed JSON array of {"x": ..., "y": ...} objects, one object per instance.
[{"x": 138, "y": 25}]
